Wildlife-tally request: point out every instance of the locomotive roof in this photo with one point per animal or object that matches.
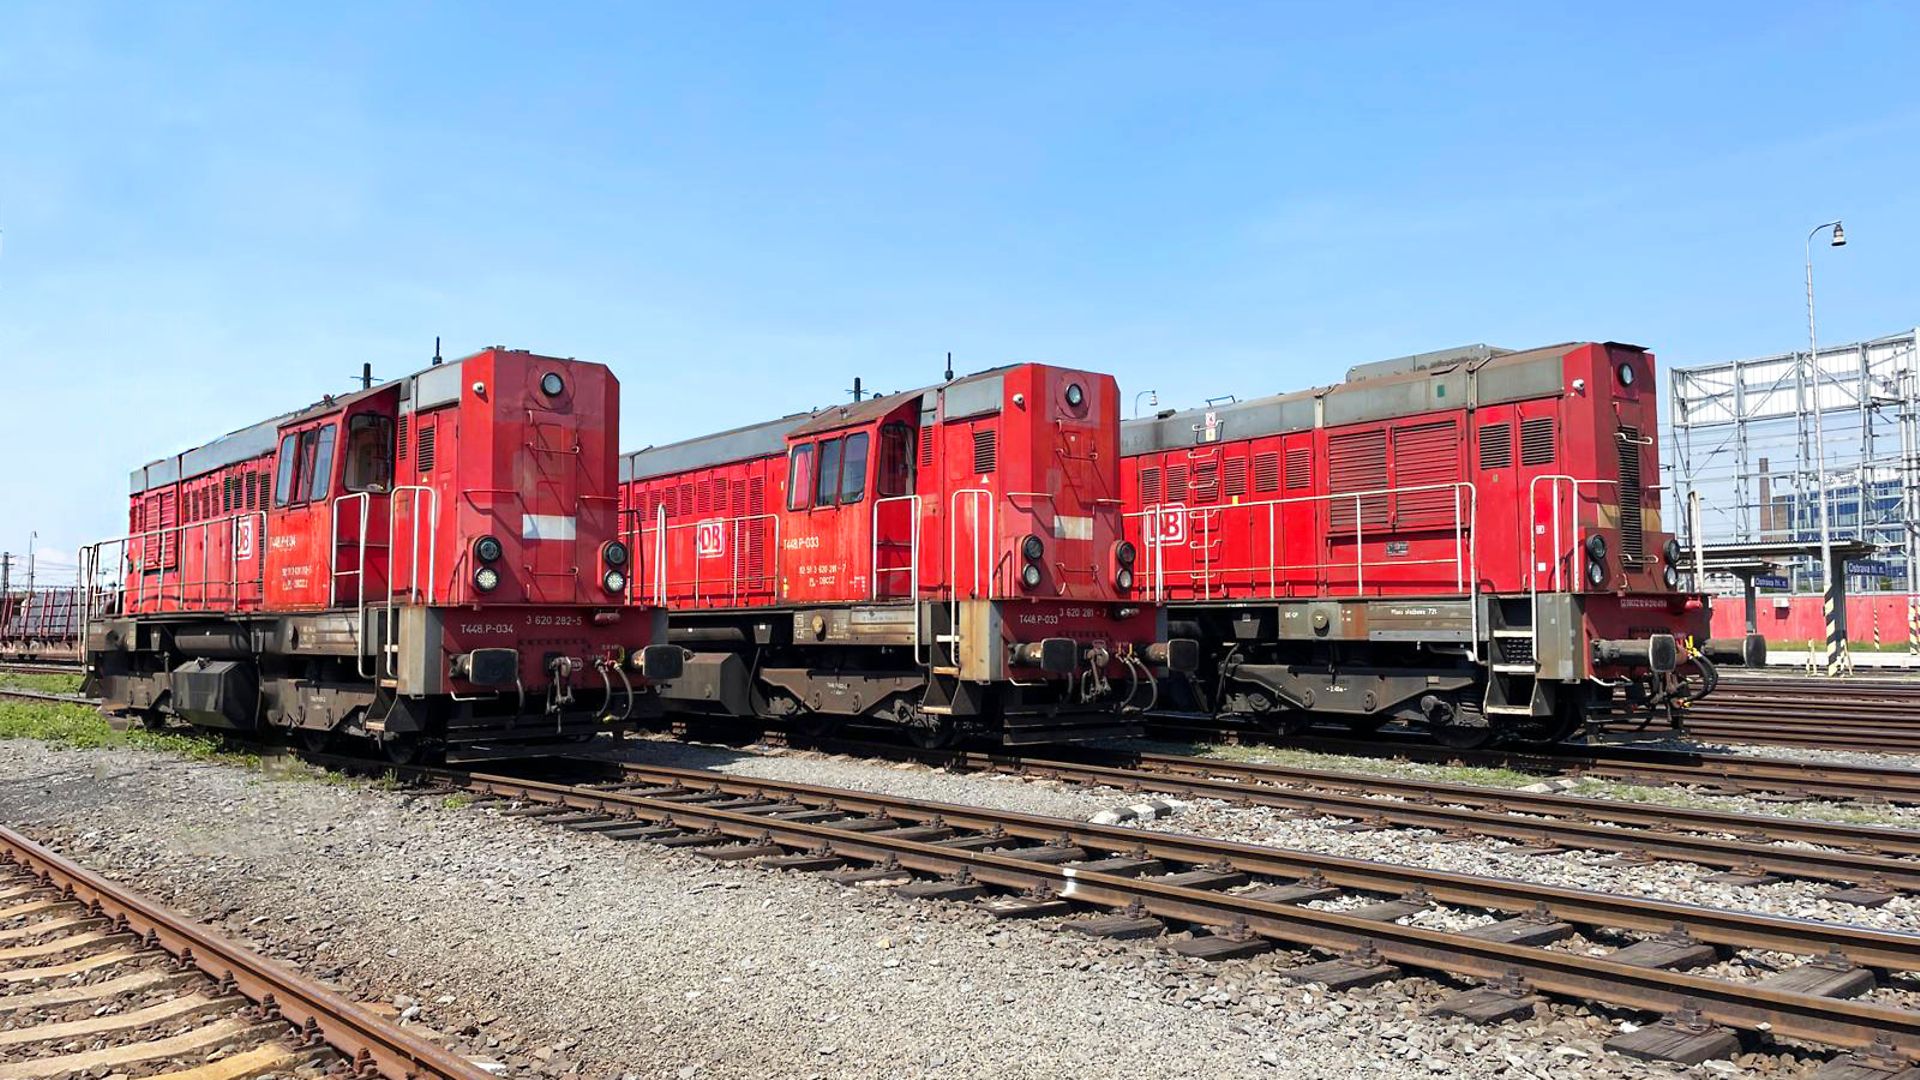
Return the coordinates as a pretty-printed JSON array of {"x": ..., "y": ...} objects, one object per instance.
[
  {"x": 1381, "y": 390},
  {"x": 434, "y": 385},
  {"x": 969, "y": 393}
]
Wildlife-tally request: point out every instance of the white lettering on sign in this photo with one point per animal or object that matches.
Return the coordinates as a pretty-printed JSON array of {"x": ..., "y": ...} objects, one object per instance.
[
  {"x": 1169, "y": 525},
  {"x": 796, "y": 543},
  {"x": 710, "y": 538},
  {"x": 546, "y": 527}
]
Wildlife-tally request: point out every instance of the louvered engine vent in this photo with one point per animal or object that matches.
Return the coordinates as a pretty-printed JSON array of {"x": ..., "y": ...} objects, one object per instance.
[
  {"x": 1536, "y": 441},
  {"x": 1496, "y": 445},
  {"x": 986, "y": 450}
]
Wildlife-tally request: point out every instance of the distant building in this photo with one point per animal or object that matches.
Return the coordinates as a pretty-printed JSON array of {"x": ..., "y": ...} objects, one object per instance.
[{"x": 1741, "y": 436}]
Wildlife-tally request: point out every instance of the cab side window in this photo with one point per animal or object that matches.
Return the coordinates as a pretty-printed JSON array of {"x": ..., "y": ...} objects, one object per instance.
[
  {"x": 369, "y": 453},
  {"x": 895, "y": 475},
  {"x": 318, "y": 461},
  {"x": 800, "y": 477},
  {"x": 829, "y": 485},
  {"x": 289, "y": 460},
  {"x": 853, "y": 469}
]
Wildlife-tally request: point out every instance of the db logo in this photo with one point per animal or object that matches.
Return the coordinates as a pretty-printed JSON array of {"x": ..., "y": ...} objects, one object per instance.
[
  {"x": 1170, "y": 525},
  {"x": 710, "y": 538},
  {"x": 243, "y": 538}
]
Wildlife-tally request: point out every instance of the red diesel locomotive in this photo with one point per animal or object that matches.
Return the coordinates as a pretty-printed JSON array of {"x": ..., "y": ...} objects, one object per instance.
[
  {"x": 432, "y": 564},
  {"x": 947, "y": 561},
  {"x": 1468, "y": 539}
]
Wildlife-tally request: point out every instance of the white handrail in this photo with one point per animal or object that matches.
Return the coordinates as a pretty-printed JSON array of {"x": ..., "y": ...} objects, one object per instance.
[
  {"x": 1574, "y": 484},
  {"x": 982, "y": 554},
  {"x": 737, "y": 538},
  {"x": 1466, "y": 569},
  {"x": 154, "y": 554},
  {"x": 391, "y": 619},
  {"x": 913, "y": 561},
  {"x": 365, "y": 499}
]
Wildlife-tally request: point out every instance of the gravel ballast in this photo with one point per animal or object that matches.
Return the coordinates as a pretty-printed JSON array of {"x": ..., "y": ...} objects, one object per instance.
[{"x": 554, "y": 953}]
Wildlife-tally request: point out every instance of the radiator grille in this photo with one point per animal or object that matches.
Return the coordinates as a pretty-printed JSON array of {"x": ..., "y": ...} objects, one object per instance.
[
  {"x": 1149, "y": 486},
  {"x": 1299, "y": 468},
  {"x": 1496, "y": 445},
  {"x": 1236, "y": 477},
  {"x": 1176, "y": 483},
  {"x": 423, "y": 449},
  {"x": 1536, "y": 441},
  {"x": 1356, "y": 462},
  {"x": 1266, "y": 472},
  {"x": 986, "y": 449},
  {"x": 1633, "y": 541}
]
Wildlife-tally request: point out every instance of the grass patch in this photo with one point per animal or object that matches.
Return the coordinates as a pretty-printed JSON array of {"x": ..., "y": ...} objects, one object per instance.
[
  {"x": 1683, "y": 799},
  {"x": 82, "y": 727},
  {"x": 1410, "y": 770},
  {"x": 43, "y": 684}
]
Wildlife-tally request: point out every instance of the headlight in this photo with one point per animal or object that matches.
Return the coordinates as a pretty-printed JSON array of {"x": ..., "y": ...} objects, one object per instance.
[
  {"x": 615, "y": 553},
  {"x": 486, "y": 579},
  {"x": 1596, "y": 546},
  {"x": 1626, "y": 374},
  {"x": 615, "y": 581},
  {"x": 1031, "y": 548},
  {"x": 487, "y": 549},
  {"x": 1123, "y": 579},
  {"x": 1124, "y": 553},
  {"x": 1030, "y": 576},
  {"x": 1596, "y": 574},
  {"x": 1075, "y": 395},
  {"x": 1670, "y": 576},
  {"x": 551, "y": 384},
  {"x": 1671, "y": 551}
]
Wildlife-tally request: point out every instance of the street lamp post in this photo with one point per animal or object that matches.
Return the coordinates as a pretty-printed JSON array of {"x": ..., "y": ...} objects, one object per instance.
[
  {"x": 1831, "y": 576},
  {"x": 1152, "y": 396}
]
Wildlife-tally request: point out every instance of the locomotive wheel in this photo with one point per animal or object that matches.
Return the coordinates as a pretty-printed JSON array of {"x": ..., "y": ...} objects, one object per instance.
[
  {"x": 1287, "y": 723},
  {"x": 932, "y": 732},
  {"x": 314, "y": 740},
  {"x": 817, "y": 725},
  {"x": 1461, "y": 737},
  {"x": 1550, "y": 730},
  {"x": 402, "y": 749}
]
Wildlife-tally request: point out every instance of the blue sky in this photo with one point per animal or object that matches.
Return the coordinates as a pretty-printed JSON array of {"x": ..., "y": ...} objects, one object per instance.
[{"x": 213, "y": 213}]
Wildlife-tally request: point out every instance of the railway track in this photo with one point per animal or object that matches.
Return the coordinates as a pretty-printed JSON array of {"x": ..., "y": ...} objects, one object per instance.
[
  {"x": 1873, "y": 861},
  {"x": 1719, "y": 772},
  {"x": 97, "y": 979},
  {"x": 40, "y": 667},
  {"x": 1240, "y": 899}
]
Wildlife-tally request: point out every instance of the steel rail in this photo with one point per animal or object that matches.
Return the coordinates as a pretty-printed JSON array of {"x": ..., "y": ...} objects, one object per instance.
[
  {"x": 1835, "y": 1022},
  {"x": 357, "y": 1033},
  {"x": 1567, "y": 820},
  {"x": 1869, "y": 947},
  {"x": 1836, "y": 779}
]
